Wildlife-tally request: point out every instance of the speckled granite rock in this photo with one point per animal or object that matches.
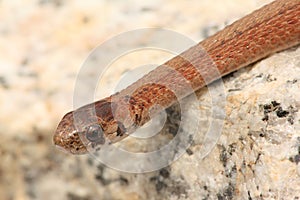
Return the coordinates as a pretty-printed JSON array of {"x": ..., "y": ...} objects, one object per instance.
[{"x": 43, "y": 44}]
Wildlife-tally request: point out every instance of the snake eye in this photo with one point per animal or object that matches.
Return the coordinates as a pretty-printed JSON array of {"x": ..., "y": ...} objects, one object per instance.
[{"x": 94, "y": 133}]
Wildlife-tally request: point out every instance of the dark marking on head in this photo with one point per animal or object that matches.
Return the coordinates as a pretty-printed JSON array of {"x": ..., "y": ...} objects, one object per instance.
[
  {"x": 121, "y": 129},
  {"x": 138, "y": 119},
  {"x": 127, "y": 98},
  {"x": 132, "y": 100},
  {"x": 105, "y": 110}
]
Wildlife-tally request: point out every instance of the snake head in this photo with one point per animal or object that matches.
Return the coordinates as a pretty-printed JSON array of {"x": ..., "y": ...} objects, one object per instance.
[
  {"x": 75, "y": 140},
  {"x": 88, "y": 128},
  {"x": 66, "y": 132}
]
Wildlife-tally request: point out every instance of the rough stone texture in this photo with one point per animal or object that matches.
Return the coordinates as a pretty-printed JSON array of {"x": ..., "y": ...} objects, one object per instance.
[{"x": 43, "y": 44}]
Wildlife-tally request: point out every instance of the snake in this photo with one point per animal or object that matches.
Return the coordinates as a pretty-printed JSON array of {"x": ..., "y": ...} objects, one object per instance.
[{"x": 272, "y": 28}]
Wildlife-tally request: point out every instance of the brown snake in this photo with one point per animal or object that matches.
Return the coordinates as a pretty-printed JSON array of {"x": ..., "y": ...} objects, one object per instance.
[{"x": 272, "y": 28}]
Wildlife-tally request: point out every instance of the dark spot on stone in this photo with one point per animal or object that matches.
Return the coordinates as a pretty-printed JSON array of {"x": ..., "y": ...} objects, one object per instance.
[
  {"x": 220, "y": 197},
  {"x": 249, "y": 195},
  {"x": 28, "y": 74},
  {"x": 234, "y": 90},
  {"x": 90, "y": 161},
  {"x": 189, "y": 152},
  {"x": 73, "y": 196},
  {"x": 231, "y": 148},
  {"x": 30, "y": 192},
  {"x": 56, "y": 3},
  {"x": 164, "y": 173},
  {"x": 258, "y": 157},
  {"x": 123, "y": 181},
  {"x": 100, "y": 176},
  {"x": 228, "y": 192},
  {"x": 297, "y": 159},
  {"x": 265, "y": 118},
  {"x": 282, "y": 113},
  {"x": 146, "y": 9},
  {"x": 270, "y": 79},
  {"x": 274, "y": 107},
  {"x": 292, "y": 81},
  {"x": 173, "y": 119},
  {"x": 102, "y": 180},
  {"x": 98, "y": 148},
  {"x": 178, "y": 189},
  {"x": 259, "y": 75},
  {"x": 85, "y": 19},
  {"x": 3, "y": 83},
  {"x": 223, "y": 156},
  {"x": 261, "y": 135},
  {"x": 232, "y": 171},
  {"x": 160, "y": 185},
  {"x": 291, "y": 120},
  {"x": 25, "y": 62},
  {"x": 29, "y": 177},
  {"x": 153, "y": 178},
  {"x": 40, "y": 137},
  {"x": 166, "y": 187},
  {"x": 275, "y": 103},
  {"x": 267, "y": 108}
]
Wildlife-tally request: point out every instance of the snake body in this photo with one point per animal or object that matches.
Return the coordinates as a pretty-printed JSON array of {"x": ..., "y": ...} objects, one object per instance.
[{"x": 270, "y": 29}]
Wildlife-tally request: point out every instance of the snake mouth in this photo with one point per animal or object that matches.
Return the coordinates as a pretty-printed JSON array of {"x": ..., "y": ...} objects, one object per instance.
[
  {"x": 61, "y": 148},
  {"x": 70, "y": 143},
  {"x": 58, "y": 142}
]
